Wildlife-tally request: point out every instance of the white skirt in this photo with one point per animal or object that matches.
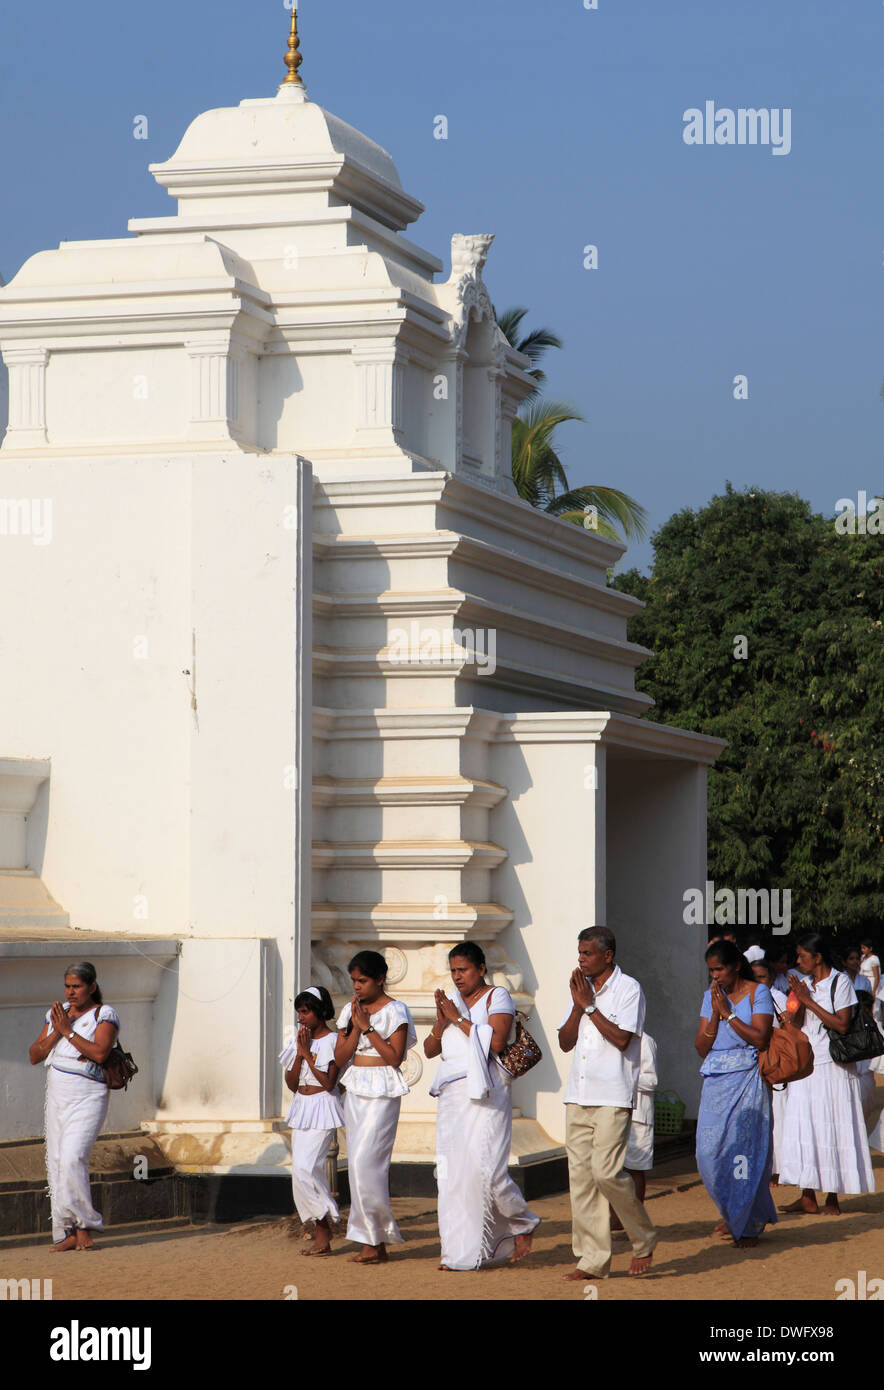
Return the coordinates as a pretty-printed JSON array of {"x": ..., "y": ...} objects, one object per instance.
[
  {"x": 310, "y": 1188},
  {"x": 824, "y": 1145},
  {"x": 779, "y": 1100},
  {"x": 480, "y": 1208},
  {"x": 371, "y": 1132},
  {"x": 75, "y": 1112},
  {"x": 640, "y": 1148}
]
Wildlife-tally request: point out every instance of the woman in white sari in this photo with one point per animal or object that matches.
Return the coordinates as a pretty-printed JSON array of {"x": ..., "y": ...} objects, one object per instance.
[
  {"x": 482, "y": 1214},
  {"x": 77, "y": 1039}
]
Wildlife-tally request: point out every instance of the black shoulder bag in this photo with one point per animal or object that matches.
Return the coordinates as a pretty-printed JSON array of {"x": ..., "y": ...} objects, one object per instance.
[{"x": 862, "y": 1041}]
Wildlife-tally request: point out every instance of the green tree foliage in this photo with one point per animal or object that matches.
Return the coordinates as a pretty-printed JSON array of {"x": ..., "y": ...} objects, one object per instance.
[{"x": 796, "y": 798}]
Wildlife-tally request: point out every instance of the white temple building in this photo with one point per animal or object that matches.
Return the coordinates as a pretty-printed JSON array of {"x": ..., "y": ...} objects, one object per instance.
[{"x": 289, "y": 668}]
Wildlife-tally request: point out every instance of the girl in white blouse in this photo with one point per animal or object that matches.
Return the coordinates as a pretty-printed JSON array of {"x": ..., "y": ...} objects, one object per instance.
[
  {"x": 314, "y": 1114},
  {"x": 374, "y": 1034}
]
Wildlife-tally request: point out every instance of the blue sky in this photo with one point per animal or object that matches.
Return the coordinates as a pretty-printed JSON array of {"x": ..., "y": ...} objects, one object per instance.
[{"x": 564, "y": 129}]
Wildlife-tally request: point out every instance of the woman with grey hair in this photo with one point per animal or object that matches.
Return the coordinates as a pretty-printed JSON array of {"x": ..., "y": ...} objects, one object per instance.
[{"x": 78, "y": 1037}]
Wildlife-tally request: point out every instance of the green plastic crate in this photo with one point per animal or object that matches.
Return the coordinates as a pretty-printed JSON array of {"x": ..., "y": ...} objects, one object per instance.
[{"x": 668, "y": 1113}]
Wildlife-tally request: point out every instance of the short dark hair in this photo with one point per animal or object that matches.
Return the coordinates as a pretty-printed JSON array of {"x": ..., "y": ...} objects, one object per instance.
[
  {"x": 322, "y": 1007},
  {"x": 85, "y": 971},
  {"x": 603, "y": 936},
  {"x": 470, "y": 951},
  {"x": 371, "y": 963}
]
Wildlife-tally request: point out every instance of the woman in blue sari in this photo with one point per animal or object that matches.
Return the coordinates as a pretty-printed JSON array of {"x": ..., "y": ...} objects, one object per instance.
[{"x": 734, "y": 1129}]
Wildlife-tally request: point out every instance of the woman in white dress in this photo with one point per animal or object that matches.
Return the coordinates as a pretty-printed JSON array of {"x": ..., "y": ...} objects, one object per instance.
[
  {"x": 374, "y": 1034},
  {"x": 314, "y": 1114},
  {"x": 824, "y": 1144},
  {"x": 78, "y": 1037},
  {"x": 482, "y": 1214}
]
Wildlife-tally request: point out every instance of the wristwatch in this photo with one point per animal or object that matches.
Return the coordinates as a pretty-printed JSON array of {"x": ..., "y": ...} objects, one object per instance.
[
  {"x": 590, "y": 1009},
  {"x": 366, "y": 1031}
]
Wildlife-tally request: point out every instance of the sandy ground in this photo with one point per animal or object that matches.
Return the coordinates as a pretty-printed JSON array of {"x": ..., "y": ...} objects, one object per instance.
[{"x": 260, "y": 1261}]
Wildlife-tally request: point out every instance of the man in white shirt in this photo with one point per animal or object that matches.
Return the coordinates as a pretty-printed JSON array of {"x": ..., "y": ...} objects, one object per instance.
[{"x": 603, "y": 1028}]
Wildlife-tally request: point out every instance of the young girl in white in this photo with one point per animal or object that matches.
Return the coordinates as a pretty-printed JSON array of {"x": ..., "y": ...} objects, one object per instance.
[
  {"x": 375, "y": 1032},
  {"x": 314, "y": 1114}
]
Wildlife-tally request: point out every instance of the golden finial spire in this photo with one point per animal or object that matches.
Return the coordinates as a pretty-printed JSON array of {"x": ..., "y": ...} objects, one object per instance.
[{"x": 293, "y": 59}]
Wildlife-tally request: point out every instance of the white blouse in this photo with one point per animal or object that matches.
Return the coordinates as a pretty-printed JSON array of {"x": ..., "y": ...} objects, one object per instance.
[
  {"x": 386, "y": 1082},
  {"x": 322, "y": 1110},
  {"x": 453, "y": 1064},
  {"x": 65, "y": 1057},
  {"x": 821, "y": 993}
]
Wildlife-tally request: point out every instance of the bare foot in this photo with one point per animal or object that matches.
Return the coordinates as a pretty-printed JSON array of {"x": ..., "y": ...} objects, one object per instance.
[
  {"x": 745, "y": 1242},
  {"x": 69, "y": 1243},
  {"x": 804, "y": 1206},
  {"x": 831, "y": 1208},
  {"x": 721, "y": 1230},
  {"x": 640, "y": 1264},
  {"x": 371, "y": 1255},
  {"x": 84, "y": 1240},
  {"x": 523, "y": 1248},
  {"x": 580, "y": 1276},
  {"x": 316, "y": 1250}
]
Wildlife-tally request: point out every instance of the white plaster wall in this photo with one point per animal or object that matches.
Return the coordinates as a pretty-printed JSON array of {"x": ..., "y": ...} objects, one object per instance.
[
  {"x": 657, "y": 849},
  {"x": 102, "y": 630},
  {"x": 216, "y": 1028},
  {"x": 553, "y": 827},
  {"x": 241, "y": 736},
  {"x": 96, "y": 396},
  {"x": 306, "y": 401}
]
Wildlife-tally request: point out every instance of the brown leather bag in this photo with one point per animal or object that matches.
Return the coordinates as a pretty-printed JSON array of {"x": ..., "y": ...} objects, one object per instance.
[
  {"x": 118, "y": 1067},
  {"x": 789, "y": 1055}
]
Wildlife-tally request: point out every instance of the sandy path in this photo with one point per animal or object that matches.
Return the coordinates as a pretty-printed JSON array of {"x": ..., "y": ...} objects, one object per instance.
[{"x": 261, "y": 1261}]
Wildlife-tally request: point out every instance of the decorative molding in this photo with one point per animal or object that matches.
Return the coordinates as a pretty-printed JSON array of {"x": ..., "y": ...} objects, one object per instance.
[
  {"x": 27, "y": 396},
  {"x": 397, "y": 967},
  {"x": 380, "y": 392},
  {"x": 215, "y": 387},
  {"x": 412, "y": 1068}
]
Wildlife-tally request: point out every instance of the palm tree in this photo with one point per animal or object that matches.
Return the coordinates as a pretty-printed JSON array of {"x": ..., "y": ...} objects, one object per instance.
[{"x": 538, "y": 472}]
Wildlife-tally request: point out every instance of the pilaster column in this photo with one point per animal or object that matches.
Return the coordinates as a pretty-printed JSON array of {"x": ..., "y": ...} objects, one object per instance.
[
  {"x": 215, "y": 373},
  {"x": 380, "y": 371},
  {"x": 27, "y": 396}
]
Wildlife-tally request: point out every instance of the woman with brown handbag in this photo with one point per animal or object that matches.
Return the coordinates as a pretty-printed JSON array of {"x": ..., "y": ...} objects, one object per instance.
[
  {"x": 734, "y": 1125},
  {"x": 482, "y": 1214},
  {"x": 78, "y": 1037}
]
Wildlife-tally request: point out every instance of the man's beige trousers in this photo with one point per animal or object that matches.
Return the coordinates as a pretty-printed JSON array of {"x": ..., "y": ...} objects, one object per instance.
[{"x": 596, "y": 1139}]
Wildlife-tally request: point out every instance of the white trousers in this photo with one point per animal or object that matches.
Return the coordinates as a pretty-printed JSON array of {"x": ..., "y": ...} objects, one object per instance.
[
  {"x": 310, "y": 1188},
  {"x": 371, "y": 1123},
  {"x": 75, "y": 1112}
]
